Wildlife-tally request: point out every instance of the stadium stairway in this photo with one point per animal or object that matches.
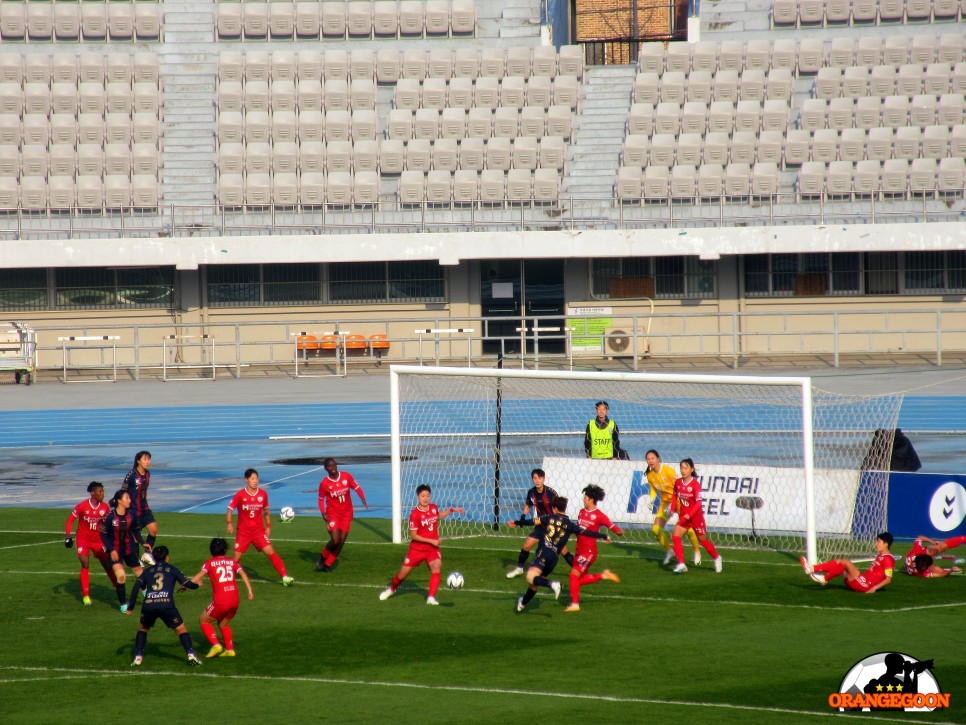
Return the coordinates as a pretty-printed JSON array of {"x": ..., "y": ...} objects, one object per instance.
[
  {"x": 595, "y": 150},
  {"x": 188, "y": 72}
]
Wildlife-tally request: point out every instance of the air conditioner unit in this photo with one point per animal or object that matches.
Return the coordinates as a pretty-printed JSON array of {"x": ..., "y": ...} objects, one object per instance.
[{"x": 619, "y": 342}]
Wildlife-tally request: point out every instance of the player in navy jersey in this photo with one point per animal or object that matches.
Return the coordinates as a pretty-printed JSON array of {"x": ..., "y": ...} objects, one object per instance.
[
  {"x": 539, "y": 499},
  {"x": 121, "y": 536},
  {"x": 158, "y": 582},
  {"x": 557, "y": 529},
  {"x": 136, "y": 483}
]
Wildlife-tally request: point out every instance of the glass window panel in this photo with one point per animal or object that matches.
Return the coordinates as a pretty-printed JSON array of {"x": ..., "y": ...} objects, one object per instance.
[
  {"x": 145, "y": 287},
  {"x": 416, "y": 282},
  {"x": 881, "y": 273},
  {"x": 22, "y": 289},
  {"x": 923, "y": 271},
  {"x": 85, "y": 287},
  {"x": 813, "y": 263},
  {"x": 756, "y": 274},
  {"x": 292, "y": 283},
  {"x": 845, "y": 272},
  {"x": 357, "y": 282},
  {"x": 669, "y": 274},
  {"x": 956, "y": 264},
  {"x": 700, "y": 277},
  {"x": 233, "y": 284}
]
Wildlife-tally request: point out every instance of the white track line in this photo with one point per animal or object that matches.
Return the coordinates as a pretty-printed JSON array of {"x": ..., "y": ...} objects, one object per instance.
[{"x": 455, "y": 689}]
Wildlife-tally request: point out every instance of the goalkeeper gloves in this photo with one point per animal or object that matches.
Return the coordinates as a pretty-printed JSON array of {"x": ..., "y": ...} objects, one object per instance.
[{"x": 68, "y": 542}]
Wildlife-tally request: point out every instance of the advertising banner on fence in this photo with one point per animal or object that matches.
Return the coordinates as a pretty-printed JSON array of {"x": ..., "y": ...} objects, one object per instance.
[
  {"x": 927, "y": 504},
  {"x": 730, "y": 493}
]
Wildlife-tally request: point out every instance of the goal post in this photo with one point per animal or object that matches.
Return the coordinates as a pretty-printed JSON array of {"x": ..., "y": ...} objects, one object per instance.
[{"x": 782, "y": 464}]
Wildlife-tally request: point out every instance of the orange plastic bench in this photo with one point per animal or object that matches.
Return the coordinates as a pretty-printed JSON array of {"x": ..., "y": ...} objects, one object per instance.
[
  {"x": 378, "y": 344},
  {"x": 329, "y": 342},
  {"x": 356, "y": 342},
  {"x": 307, "y": 342}
]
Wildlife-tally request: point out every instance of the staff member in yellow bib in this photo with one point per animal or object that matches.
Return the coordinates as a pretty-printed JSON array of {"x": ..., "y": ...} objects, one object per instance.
[
  {"x": 602, "y": 439},
  {"x": 661, "y": 477}
]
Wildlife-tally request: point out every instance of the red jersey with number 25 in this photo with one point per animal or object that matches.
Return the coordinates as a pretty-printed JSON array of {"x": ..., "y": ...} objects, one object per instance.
[
  {"x": 222, "y": 571},
  {"x": 89, "y": 526},
  {"x": 425, "y": 524},
  {"x": 250, "y": 508},
  {"x": 334, "y": 495}
]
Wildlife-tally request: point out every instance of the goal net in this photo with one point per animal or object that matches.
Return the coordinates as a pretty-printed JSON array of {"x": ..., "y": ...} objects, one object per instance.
[{"x": 782, "y": 465}]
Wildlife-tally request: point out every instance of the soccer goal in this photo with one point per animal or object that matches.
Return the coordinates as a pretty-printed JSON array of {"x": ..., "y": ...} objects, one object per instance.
[{"x": 782, "y": 465}]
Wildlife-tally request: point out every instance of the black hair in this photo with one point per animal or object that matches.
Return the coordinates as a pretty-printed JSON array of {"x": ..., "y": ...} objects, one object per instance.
[
  {"x": 423, "y": 487},
  {"x": 887, "y": 538},
  {"x": 116, "y": 498},
  {"x": 602, "y": 402},
  {"x": 160, "y": 553},
  {"x": 139, "y": 455},
  {"x": 94, "y": 484},
  {"x": 923, "y": 562},
  {"x": 560, "y": 503},
  {"x": 652, "y": 451},
  {"x": 325, "y": 463},
  {"x": 539, "y": 471},
  {"x": 218, "y": 547},
  {"x": 249, "y": 472},
  {"x": 594, "y": 492},
  {"x": 693, "y": 471}
]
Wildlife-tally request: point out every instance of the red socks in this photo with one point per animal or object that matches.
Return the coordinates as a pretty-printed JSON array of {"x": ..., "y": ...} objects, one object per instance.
[
  {"x": 434, "y": 583},
  {"x": 709, "y": 547},
  {"x": 229, "y": 639},
  {"x": 678, "y": 548},
  {"x": 208, "y": 630},
  {"x": 278, "y": 564},
  {"x": 955, "y": 541},
  {"x": 830, "y": 569},
  {"x": 85, "y": 578},
  {"x": 328, "y": 557}
]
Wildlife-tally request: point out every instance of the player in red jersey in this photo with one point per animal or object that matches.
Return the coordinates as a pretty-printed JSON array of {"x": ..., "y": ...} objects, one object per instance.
[
  {"x": 335, "y": 503},
  {"x": 221, "y": 570},
  {"x": 687, "y": 504},
  {"x": 90, "y": 513},
  {"x": 866, "y": 582},
  {"x": 540, "y": 499},
  {"x": 592, "y": 519},
  {"x": 254, "y": 523},
  {"x": 424, "y": 545},
  {"x": 921, "y": 559}
]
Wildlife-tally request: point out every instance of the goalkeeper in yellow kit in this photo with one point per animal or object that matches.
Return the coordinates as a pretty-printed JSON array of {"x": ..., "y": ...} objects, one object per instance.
[{"x": 660, "y": 477}]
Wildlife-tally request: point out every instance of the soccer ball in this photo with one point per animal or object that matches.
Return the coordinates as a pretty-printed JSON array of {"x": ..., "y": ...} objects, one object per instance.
[
  {"x": 287, "y": 513},
  {"x": 455, "y": 580}
]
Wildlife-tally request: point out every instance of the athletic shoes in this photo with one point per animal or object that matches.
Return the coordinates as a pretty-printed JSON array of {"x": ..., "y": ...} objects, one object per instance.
[
  {"x": 610, "y": 576},
  {"x": 216, "y": 649},
  {"x": 193, "y": 660},
  {"x": 123, "y": 608},
  {"x": 717, "y": 565},
  {"x": 147, "y": 559},
  {"x": 87, "y": 601},
  {"x": 697, "y": 557},
  {"x": 520, "y": 604},
  {"x": 431, "y": 601},
  {"x": 555, "y": 586},
  {"x": 288, "y": 581},
  {"x": 138, "y": 659},
  {"x": 681, "y": 568},
  {"x": 228, "y": 653},
  {"x": 515, "y": 573},
  {"x": 573, "y": 608},
  {"x": 320, "y": 565},
  {"x": 806, "y": 566},
  {"x": 383, "y": 596},
  {"x": 668, "y": 555},
  {"x": 818, "y": 578}
]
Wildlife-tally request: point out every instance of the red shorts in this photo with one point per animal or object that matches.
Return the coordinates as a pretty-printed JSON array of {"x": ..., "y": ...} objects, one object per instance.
[
  {"x": 340, "y": 522},
  {"x": 91, "y": 547},
  {"x": 583, "y": 561},
  {"x": 415, "y": 557},
  {"x": 220, "y": 612},
  {"x": 698, "y": 524},
  {"x": 244, "y": 540},
  {"x": 859, "y": 584}
]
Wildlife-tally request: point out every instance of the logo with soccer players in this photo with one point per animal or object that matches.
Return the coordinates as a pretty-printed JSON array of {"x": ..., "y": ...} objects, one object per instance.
[{"x": 890, "y": 681}]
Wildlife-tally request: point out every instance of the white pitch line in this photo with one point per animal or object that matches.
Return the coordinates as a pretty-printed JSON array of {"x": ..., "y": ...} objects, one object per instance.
[
  {"x": 37, "y": 543},
  {"x": 263, "y": 485},
  {"x": 465, "y": 688}
]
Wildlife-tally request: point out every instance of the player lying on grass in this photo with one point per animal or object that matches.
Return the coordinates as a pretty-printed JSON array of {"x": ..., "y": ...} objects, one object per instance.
[
  {"x": 158, "y": 582},
  {"x": 557, "y": 529},
  {"x": 590, "y": 519},
  {"x": 121, "y": 536},
  {"x": 687, "y": 505},
  {"x": 223, "y": 572},
  {"x": 424, "y": 543},
  {"x": 921, "y": 559},
  {"x": 539, "y": 499},
  {"x": 867, "y": 582},
  {"x": 91, "y": 513}
]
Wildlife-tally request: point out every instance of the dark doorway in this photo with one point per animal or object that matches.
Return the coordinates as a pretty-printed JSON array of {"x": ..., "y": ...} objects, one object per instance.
[{"x": 517, "y": 293}]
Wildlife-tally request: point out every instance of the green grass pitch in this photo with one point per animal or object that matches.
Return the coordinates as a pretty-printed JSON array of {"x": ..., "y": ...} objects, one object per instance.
[{"x": 759, "y": 643}]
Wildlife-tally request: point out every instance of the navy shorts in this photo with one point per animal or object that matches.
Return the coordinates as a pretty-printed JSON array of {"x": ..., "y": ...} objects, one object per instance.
[
  {"x": 146, "y": 517},
  {"x": 131, "y": 560},
  {"x": 545, "y": 560},
  {"x": 169, "y": 615}
]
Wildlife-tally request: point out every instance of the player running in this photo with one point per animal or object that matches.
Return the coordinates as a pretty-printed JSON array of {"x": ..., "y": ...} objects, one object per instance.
[
  {"x": 921, "y": 559},
  {"x": 687, "y": 504},
  {"x": 222, "y": 570},
  {"x": 867, "y": 582},
  {"x": 424, "y": 543},
  {"x": 90, "y": 513},
  {"x": 254, "y": 523},
  {"x": 661, "y": 477},
  {"x": 158, "y": 582},
  {"x": 121, "y": 535},
  {"x": 539, "y": 499},
  {"x": 590, "y": 519},
  {"x": 335, "y": 503},
  {"x": 136, "y": 483},
  {"x": 557, "y": 528}
]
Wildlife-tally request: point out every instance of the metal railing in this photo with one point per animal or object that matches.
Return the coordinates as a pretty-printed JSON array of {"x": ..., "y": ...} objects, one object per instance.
[
  {"x": 390, "y": 216},
  {"x": 629, "y": 340}
]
